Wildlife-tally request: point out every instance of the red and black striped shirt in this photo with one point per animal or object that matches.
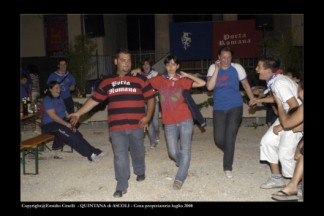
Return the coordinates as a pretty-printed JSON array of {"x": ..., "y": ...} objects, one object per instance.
[{"x": 125, "y": 97}]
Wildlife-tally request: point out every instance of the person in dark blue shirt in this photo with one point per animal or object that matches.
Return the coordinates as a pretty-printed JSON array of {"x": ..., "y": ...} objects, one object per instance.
[
  {"x": 67, "y": 83},
  {"x": 55, "y": 122}
]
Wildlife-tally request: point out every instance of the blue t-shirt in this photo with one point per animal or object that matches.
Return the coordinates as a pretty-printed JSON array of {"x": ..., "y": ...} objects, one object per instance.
[
  {"x": 65, "y": 85},
  {"x": 227, "y": 93},
  {"x": 24, "y": 91},
  {"x": 29, "y": 79},
  {"x": 53, "y": 103}
]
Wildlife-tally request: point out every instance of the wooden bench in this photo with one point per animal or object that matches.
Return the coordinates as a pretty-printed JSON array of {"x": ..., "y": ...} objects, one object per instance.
[{"x": 31, "y": 145}]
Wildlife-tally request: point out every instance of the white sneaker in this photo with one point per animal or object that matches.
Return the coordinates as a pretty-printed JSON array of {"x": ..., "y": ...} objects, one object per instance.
[
  {"x": 273, "y": 183},
  {"x": 300, "y": 192},
  {"x": 57, "y": 154},
  {"x": 101, "y": 154},
  {"x": 94, "y": 157},
  {"x": 228, "y": 174}
]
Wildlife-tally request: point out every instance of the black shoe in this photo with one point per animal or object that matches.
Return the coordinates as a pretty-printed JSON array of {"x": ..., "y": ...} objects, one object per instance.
[
  {"x": 140, "y": 178},
  {"x": 118, "y": 194}
]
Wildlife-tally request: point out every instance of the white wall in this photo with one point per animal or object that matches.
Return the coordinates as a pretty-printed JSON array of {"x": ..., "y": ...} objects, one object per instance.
[{"x": 32, "y": 38}]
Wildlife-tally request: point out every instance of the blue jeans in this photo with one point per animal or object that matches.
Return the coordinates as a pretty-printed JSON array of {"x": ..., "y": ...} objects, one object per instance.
[
  {"x": 226, "y": 125},
  {"x": 180, "y": 155},
  {"x": 123, "y": 140},
  {"x": 154, "y": 126}
]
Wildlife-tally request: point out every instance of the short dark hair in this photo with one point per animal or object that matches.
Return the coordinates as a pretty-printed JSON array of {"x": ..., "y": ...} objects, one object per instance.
[
  {"x": 50, "y": 85},
  {"x": 171, "y": 57},
  {"x": 147, "y": 60},
  {"x": 294, "y": 73},
  {"x": 62, "y": 59},
  {"x": 271, "y": 62},
  {"x": 23, "y": 76},
  {"x": 121, "y": 50},
  {"x": 226, "y": 49}
]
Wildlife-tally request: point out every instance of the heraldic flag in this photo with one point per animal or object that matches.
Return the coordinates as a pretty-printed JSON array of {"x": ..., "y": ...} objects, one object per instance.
[{"x": 191, "y": 41}]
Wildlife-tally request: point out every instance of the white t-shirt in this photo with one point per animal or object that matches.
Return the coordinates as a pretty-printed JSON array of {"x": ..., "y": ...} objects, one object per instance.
[{"x": 285, "y": 88}]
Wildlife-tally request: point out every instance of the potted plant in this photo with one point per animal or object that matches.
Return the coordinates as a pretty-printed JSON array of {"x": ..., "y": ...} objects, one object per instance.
[{"x": 81, "y": 63}]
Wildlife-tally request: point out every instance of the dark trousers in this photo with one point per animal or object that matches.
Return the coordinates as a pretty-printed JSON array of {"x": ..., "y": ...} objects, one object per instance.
[
  {"x": 64, "y": 134},
  {"x": 226, "y": 125},
  {"x": 69, "y": 104},
  {"x": 271, "y": 116}
]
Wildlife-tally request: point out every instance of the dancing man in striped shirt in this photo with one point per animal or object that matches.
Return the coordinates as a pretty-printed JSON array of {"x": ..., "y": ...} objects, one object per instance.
[{"x": 126, "y": 116}]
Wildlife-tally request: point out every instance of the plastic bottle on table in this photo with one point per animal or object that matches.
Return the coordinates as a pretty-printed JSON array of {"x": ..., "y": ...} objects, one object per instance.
[{"x": 25, "y": 106}]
